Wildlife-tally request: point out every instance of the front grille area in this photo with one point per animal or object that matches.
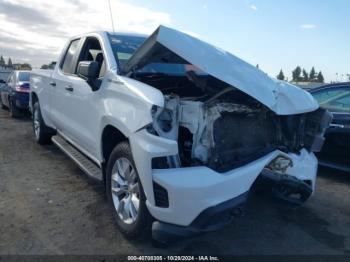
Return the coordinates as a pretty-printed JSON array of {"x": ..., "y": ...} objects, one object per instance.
[{"x": 160, "y": 195}]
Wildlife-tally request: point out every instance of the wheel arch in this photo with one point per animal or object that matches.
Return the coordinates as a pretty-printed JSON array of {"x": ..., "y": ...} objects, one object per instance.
[
  {"x": 110, "y": 137},
  {"x": 33, "y": 98}
]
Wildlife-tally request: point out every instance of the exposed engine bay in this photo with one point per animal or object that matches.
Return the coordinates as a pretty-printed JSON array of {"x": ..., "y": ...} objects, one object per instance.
[{"x": 224, "y": 128}]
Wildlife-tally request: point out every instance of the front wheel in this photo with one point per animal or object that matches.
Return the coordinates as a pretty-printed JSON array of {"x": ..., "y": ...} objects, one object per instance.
[
  {"x": 125, "y": 194},
  {"x": 41, "y": 131}
]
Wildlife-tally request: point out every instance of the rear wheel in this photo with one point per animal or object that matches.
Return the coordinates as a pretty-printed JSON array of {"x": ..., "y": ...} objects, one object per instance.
[
  {"x": 1, "y": 103},
  {"x": 125, "y": 194},
  {"x": 42, "y": 133},
  {"x": 14, "y": 111}
]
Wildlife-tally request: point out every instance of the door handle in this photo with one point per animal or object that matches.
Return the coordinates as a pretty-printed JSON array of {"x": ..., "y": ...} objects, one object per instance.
[
  {"x": 69, "y": 88},
  {"x": 52, "y": 83}
]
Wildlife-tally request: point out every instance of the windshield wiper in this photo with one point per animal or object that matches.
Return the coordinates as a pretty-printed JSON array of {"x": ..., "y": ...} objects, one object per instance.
[{"x": 150, "y": 74}]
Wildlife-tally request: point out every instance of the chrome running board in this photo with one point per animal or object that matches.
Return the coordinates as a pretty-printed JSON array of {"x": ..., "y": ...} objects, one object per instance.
[{"x": 85, "y": 164}]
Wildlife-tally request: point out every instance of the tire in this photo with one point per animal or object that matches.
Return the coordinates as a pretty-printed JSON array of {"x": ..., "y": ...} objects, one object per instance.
[
  {"x": 14, "y": 111},
  {"x": 127, "y": 187},
  {"x": 2, "y": 104},
  {"x": 42, "y": 132}
]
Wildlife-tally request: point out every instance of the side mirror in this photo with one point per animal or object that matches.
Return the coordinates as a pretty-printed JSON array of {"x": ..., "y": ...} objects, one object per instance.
[
  {"x": 2, "y": 81},
  {"x": 88, "y": 70}
]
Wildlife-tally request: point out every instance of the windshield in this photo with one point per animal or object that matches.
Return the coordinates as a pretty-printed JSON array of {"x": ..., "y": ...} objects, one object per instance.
[
  {"x": 23, "y": 76},
  {"x": 124, "y": 46}
]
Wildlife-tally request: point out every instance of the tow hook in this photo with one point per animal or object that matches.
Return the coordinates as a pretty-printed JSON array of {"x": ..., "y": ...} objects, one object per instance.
[{"x": 288, "y": 188}]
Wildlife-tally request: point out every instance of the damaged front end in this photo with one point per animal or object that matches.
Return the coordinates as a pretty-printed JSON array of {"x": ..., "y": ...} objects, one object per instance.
[
  {"x": 226, "y": 114},
  {"x": 224, "y": 134}
]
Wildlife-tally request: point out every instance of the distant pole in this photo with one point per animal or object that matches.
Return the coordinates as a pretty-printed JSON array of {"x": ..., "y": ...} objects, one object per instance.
[{"x": 110, "y": 12}]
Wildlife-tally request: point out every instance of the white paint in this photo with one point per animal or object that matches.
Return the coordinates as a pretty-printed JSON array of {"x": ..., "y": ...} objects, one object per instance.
[
  {"x": 126, "y": 104},
  {"x": 192, "y": 190}
]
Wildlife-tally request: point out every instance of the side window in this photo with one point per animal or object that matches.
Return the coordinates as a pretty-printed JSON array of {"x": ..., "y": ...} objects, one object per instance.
[
  {"x": 92, "y": 51},
  {"x": 326, "y": 94},
  {"x": 68, "y": 65},
  {"x": 9, "y": 79}
]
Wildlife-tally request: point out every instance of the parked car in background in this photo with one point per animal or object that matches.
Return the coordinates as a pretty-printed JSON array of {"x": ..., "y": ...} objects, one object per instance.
[
  {"x": 336, "y": 151},
  {"x": 14, "y": 94},
  {"x": 2, "y": 83}
]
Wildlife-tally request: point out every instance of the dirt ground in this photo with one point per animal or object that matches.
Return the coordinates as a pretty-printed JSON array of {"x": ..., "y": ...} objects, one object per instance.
[{"x": 48, "y": 206}]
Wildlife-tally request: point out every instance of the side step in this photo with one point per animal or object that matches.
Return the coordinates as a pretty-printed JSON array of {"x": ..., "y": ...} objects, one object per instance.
[
  {"x": 87, "y": 165},
  {"x": 341, "y": 167}
]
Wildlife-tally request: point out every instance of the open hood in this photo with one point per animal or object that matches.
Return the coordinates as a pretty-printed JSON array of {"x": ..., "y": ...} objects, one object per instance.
[{"x": 172, "y": 46}]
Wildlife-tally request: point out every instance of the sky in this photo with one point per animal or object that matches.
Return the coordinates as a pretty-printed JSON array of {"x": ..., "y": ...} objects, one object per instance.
[{"x": 276, "y": 34}]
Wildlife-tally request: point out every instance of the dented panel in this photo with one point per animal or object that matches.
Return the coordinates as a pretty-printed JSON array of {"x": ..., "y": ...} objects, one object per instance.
[{"x": 167, "y": 45}]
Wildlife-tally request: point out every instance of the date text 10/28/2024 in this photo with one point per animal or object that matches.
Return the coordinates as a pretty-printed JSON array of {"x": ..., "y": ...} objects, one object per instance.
[{"x": 173, "y": 258}]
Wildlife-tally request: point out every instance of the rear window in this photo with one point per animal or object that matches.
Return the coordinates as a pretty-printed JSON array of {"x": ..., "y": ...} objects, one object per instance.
[
  {"x": 68, "y": 66},
  {"x": 24, "y": 76}
]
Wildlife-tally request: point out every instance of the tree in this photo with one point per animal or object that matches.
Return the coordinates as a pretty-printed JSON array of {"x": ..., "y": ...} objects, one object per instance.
[
  {"x": 312, "y": 76},
  {"x": 305, "y": 76},
  {"x": 280, "y": 76},
  {"x": 52, "y": 65},
  {"x": 296, "y": 74},
  {"x": 49, "y": 66},
  {"x": 2, "y": 61},
  {"x": 348, "y": 76},
  {"x": 9, "y": 63},
  {"x": 320, "y": 77},
  {"x": 26, "y": 66}
]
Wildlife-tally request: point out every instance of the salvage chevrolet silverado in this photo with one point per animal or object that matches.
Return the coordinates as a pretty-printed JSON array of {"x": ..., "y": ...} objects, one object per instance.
[{"x": 177, "y": 129}]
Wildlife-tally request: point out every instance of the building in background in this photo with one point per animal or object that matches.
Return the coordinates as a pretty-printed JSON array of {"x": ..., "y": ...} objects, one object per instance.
[{"x": 307, "y": 85}]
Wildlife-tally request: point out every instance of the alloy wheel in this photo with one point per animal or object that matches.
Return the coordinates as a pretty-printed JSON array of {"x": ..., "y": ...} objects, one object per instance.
[
  {"x": 36, "y": 123},
  {"x": 125, "y": 190}
]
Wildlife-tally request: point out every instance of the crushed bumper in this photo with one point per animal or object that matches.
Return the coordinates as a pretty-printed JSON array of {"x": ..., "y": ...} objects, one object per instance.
[
  {"x": 285, "y": 187},
  {"x": 211, "y": 219},
  {"x": 191, "y": 190}
]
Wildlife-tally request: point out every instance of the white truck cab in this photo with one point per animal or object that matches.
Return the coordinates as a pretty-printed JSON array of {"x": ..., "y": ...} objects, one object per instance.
[{"x": 178, "y": 130}]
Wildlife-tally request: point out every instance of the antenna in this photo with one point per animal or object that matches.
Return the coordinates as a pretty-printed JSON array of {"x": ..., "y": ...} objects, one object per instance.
[{"x": 110, "y": 11}]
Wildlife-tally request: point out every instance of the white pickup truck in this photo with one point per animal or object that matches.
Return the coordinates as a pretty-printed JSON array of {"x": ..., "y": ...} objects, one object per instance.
[{"x": 178, "y": 130}]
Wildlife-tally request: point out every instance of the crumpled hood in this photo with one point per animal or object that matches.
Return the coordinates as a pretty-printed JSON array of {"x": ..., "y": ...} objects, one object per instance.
[{"x": 173, "y": 46}]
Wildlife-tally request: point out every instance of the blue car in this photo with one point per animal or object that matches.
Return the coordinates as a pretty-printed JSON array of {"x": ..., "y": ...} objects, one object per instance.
[{"x": 14, "y": 94}]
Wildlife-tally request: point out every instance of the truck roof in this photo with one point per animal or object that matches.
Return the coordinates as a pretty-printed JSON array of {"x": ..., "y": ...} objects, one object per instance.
[{"x": 101, "y": 33}]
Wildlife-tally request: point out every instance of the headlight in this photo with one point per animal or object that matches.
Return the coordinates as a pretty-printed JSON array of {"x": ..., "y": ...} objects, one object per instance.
[
  {"x": 162, "y": 121},
  {"x": 165, "y": 119}
]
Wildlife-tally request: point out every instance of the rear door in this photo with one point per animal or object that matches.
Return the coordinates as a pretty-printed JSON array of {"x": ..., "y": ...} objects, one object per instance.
[{"x": 61, "y": 79}]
